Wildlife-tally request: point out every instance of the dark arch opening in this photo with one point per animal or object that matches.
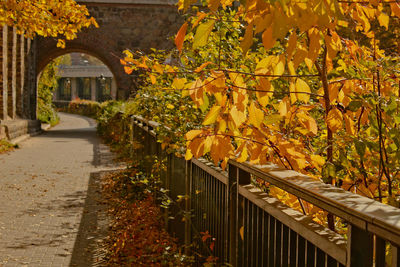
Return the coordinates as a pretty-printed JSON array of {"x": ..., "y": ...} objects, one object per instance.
[
  {"x": 81, "y": 76},
  {"x": 51, "y": 55}
]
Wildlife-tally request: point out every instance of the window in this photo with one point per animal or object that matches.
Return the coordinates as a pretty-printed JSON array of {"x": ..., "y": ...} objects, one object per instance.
[
  {"x": 103, "y": 88},
  {"x": 84, "y": 88},
  {"x": 64, "y": 89}
]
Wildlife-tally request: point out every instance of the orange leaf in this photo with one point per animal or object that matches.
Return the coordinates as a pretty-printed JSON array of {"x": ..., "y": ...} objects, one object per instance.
[
  {"x": 267, "y": 39},
  {"x": 128, "y": 70},
  {"x": 180, "y": 36},
  {"x": 203, "y": 66},
  {"x": 201, "y": 16},
  {"x": 334, "y": 120},
  {"x": 247, "y": 39}
]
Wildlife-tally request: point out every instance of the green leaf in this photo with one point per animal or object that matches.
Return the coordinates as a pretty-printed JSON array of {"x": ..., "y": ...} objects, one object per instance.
[
  {"x": 354, "y": 105},
  {"x": 206, "y": 103},
  {"x": 360, "y": 147},
  {"x": 202, "y": 34},
  {"x": 328, "y": 171}
]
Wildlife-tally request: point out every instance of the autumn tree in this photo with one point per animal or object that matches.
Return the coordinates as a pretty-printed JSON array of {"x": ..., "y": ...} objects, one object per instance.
[
  {"x": 302, "y": 84},
  {"x": 48, "y": 18}
]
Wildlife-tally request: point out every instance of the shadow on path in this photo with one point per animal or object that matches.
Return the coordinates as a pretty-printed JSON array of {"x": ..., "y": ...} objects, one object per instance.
[{"x": 88, "y": 248}]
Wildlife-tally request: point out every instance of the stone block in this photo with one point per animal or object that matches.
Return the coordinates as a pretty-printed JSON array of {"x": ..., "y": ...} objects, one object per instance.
[{"x": 2, "y": 132}]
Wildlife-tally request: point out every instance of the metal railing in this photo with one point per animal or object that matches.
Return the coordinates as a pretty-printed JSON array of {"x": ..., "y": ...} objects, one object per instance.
[{"x": 250, "y": 228}]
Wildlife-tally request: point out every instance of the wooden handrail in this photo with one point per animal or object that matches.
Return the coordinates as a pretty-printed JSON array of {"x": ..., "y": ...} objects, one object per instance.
[{"x": 365, "y": 213}]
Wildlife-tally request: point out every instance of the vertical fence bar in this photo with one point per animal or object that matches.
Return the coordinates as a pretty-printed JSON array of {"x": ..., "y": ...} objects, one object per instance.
[
  {"x": 292, "y": 247},
  {"x": 395, "y": 256},
  {"x": 301, "y": 251},
  {"x": 188, "y": 196},
  {"x": 359, "y": 247},
  {"x": 380, "y": 251},
  {"x": 285, "y": 246},
  {"x": 310, "y": 254},
  {"x": 232, "y": 196}
]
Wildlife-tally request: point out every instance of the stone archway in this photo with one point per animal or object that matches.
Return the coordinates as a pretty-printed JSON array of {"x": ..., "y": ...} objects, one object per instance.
[{"x": 124, "y": 24}]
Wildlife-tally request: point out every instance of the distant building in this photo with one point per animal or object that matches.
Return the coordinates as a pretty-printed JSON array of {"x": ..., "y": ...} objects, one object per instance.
[{"x": 85, "y": 80}]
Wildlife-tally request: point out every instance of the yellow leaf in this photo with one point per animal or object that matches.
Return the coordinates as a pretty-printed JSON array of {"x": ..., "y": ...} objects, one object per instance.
[
  {"x": 383, "y": 20},
  {"x": 265, "y": 91},
  {"x": 256, "y": 115},
  {"x": 283, "y": 107},
  {"x": 212, "y": 115},
  {"x": 157, "y": 67},
  {"x": 291, "y": 68},
  {"x": 318, "y": 159},
  {"x": 241, "y": 232},
  {"x": 314, "y": 48},
  {"x": 279, "y": 68},
  {"x": 153, "y": 79},
  {"x": 312, "y": 125},
  {"x": 222, "y": 126},
  {"x": 238, "y": 117},
  {"x": 179, "y": 83},
  {"x": 302, "y": 90},
  {"x": 309, "y": 122},
  {"x": 202, "y": 33},
  {"x": 247, "y": 38},
  {"x": 60, "y": 43},
  {"x": 267, "y": 39},
  {"x": 292, "y": 90},
  {"x": 192, "y": 134},
  {"x": 333, "y": 89},
  {"x": 264, "y": 64},
  {"x": 208, "y": 144},
  {"x": 334, "y": 120},
  {"x": 180, "y": 36},
  {"x": 243, "y": 155},
  {"x": 188, "y": 155},
  {"x": 349, "y": 124}
]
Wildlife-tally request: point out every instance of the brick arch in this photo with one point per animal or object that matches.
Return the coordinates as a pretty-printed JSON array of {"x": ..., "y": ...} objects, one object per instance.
[
  {"x": 128, "y": 24},
  {"x": 115, "y": 67}
]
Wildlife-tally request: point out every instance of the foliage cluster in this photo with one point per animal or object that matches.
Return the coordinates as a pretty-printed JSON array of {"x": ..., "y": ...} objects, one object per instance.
[
  {"x": 6, "y": 146},
  {"x": 48, "y": 83},
  {"x": 137, "y": 235},
  {"x": 82, "y": 107},
  {"x": 308, "y": 86},
  {"x": 48, "y": 18}
]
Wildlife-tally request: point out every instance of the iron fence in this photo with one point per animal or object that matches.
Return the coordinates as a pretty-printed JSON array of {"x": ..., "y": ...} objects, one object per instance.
[{"x": 248, "y": 227}]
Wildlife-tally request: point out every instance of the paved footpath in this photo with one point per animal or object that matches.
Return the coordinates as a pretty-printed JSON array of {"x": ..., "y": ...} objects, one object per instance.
[{"x": 51, "y": 212}]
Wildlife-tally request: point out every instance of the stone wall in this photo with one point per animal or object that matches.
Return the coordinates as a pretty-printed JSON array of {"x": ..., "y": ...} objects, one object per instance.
[
  {"x": 127, "y": 25},
  {"x": 13, "y": 87},
  {"x": 17, "y": 85}
]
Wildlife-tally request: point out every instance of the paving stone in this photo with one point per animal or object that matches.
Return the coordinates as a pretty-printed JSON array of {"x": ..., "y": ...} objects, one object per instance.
[{"x": 48, "y": 197}]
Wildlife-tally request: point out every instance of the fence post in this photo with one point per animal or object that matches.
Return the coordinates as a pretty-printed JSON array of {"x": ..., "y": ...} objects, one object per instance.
[
  {"x": 236, "y": 177},
  {"x": 188, "y": 196},
  {"x": 359, "y": 247},
  {"x": 132, "y": 135}
]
